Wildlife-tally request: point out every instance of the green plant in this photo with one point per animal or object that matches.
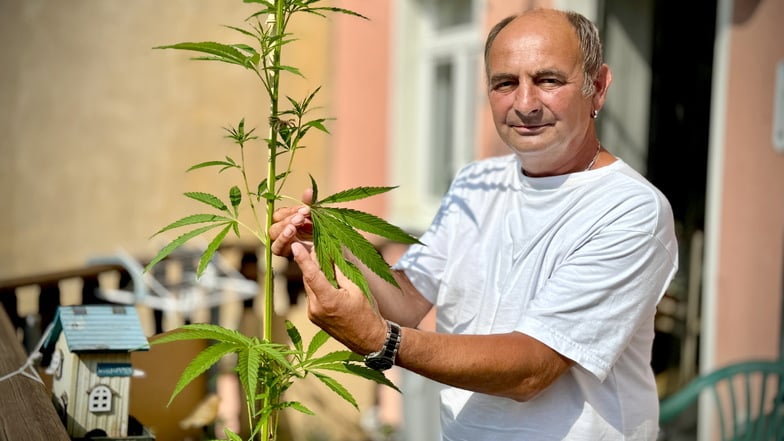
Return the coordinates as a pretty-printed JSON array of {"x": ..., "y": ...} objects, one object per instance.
[{"x": 267, "y": 369}]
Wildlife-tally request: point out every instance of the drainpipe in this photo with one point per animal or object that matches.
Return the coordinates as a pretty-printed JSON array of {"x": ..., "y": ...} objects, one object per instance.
[{"x": 721, "y": 55}]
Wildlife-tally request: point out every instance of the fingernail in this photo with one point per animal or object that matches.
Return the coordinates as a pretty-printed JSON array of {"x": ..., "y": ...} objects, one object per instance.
[
  {"x": 295, "y": 249},
  {"x": 288, "y": 231},
  {"x": 297, "y": 219},
  {"x": 304, "y": 211}
]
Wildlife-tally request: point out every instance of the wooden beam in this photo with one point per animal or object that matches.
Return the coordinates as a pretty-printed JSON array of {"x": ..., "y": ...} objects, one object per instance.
[
  {"x": 26, "y": 409},
  {"x": 55, "y": 277}
]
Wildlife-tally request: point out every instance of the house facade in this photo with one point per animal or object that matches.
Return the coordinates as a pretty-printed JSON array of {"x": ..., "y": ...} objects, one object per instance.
[{"x": 111, "y": 125}]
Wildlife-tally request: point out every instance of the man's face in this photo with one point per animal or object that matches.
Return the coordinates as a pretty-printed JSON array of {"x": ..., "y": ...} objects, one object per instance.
[{"x": 535, "y": 91}]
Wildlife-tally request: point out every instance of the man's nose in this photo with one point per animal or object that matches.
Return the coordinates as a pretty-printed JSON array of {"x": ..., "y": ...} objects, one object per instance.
[{"x": 527, "y": 102}]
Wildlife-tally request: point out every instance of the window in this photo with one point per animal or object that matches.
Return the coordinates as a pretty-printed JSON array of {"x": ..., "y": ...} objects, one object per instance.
[
  {"x": 100, "y": 400},
  {"x": 441, "y": 133},
  {"x": 451, "y": 127},
  {"x": 438, "y": 57},
  {"x": 451, "y": 13}
]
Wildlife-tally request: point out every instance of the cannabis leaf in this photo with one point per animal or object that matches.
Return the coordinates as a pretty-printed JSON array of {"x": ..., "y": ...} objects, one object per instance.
[
  {"x": 273, "y": 365},
  {"x": 232, "y": 54},
  {"x": 250, "y": 351},
  {"x": 335, "y": 231}
]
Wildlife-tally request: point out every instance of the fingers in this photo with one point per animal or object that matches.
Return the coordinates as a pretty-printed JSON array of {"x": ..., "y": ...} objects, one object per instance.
[
  {"x": 280, "y": 246},
  {"x": 291, "y": 224},
  {"x": 313, "y": 270},
  {"x": 297, "y": 227},
  {"x": 311, "y": 273},
  {"x": 307, "y": 196},
  {"x": 282, "y": 213}
]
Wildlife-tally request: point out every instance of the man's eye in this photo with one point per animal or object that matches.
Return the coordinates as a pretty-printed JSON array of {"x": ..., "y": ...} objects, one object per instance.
[
  {"x": 550, "y": 82},
  {"x": 503, "y": 85}
]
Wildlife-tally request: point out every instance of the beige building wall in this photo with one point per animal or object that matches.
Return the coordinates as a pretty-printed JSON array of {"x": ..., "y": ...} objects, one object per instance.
[{"x": 98, "y": 128}]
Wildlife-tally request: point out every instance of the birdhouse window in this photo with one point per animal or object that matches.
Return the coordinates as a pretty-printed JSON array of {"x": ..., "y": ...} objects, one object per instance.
[{"x": 100, "y": 399}]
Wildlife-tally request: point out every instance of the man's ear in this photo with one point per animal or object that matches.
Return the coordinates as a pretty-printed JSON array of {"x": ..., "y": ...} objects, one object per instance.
[{"x": 600, "y": 84}]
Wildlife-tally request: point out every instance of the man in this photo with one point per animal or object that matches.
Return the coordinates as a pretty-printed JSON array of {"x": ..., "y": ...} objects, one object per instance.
[{"x": 545, "y": 265}]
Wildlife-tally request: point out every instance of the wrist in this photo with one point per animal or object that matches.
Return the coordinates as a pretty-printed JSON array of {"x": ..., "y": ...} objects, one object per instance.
[{"x": 384, "y": 358}]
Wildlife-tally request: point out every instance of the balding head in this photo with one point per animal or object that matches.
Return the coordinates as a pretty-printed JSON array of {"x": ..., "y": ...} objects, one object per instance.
[{"x": 584, "y": 30}]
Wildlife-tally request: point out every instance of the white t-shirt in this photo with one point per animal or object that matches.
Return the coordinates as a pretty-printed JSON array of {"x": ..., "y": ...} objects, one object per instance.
[{"x": 578, "y": 262}]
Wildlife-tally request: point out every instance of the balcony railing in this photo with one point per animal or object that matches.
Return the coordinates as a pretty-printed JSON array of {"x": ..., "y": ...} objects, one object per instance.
[{"x": 26, "y": 410}]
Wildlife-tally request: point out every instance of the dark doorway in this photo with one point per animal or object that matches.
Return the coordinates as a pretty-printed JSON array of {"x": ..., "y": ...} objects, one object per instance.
[{"x": 682, "y": 69}]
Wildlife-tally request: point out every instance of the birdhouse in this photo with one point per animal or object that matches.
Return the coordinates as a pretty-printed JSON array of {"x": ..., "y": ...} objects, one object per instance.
[{"x": 90, "y": 348}]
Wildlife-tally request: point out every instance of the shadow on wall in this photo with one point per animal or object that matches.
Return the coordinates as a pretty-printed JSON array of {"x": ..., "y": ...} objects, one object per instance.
[{"x": 742, "y": 10}]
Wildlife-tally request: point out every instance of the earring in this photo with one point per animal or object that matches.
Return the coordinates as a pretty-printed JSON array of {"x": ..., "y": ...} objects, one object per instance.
[{"x": 594, "y": 114}]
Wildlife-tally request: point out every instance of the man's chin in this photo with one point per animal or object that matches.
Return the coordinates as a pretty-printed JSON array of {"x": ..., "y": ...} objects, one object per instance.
[{"x": 528, "y": 146}]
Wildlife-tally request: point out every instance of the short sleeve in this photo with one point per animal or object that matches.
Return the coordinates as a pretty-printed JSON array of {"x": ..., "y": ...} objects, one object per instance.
[{"x": 594, "y": 303}]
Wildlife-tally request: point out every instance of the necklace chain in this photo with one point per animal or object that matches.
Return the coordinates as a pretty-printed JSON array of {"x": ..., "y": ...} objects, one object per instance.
[
  {"x": 593, "y": 161},
  {"x": 595, "y": 157}
]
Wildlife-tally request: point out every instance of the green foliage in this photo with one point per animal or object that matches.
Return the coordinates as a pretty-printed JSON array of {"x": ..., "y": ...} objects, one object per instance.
[
  {"x": 335, "y": 228},
  {"x": 265, "y": 369}
]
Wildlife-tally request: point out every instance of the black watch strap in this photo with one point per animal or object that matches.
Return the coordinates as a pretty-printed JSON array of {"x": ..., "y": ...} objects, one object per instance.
[{"x": 385, "y": 358}]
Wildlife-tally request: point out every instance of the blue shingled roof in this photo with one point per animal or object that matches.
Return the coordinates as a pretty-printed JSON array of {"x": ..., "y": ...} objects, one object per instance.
[{"x": 98, "y": 328}]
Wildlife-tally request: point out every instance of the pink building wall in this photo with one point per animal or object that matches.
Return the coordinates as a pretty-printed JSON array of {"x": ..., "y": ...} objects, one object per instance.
[
  {"x": 751, "y": 239},
  {"x": 360, "y": 83}
]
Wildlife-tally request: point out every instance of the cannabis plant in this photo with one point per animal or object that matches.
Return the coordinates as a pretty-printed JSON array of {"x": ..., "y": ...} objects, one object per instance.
[{"x": 266, "y": 369}]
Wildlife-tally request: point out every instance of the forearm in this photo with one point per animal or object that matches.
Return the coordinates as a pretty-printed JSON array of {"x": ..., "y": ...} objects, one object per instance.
[
  {"x": 405, "y": 305},
  {"x": 510, "y": 365}
]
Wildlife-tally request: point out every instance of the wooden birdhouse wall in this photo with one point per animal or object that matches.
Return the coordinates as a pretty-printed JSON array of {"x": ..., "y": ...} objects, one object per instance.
[
  {"x": 100, "y": 402},
  {"x": 64, "y": 365},
  {"x": 77, "y": 377}
]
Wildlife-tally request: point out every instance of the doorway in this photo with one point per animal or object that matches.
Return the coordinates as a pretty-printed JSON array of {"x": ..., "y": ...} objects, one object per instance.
[
  {"x": 681, "y": 72},
  {"x": 658, "y": 121}
]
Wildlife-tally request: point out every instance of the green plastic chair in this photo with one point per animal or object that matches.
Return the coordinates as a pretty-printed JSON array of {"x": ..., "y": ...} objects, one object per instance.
[{"x": 748, "y": 398}]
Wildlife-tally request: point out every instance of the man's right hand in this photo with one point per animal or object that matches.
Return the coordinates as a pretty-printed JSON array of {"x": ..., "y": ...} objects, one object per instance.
[{"x": 292, "y": 224}]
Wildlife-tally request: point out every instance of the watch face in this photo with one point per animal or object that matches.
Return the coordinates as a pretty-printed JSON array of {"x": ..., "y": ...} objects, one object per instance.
[{"x": 379, "y": 364}]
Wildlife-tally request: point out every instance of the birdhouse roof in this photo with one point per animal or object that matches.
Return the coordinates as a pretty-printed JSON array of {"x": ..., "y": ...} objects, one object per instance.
[{"x": 98, "y": 328}]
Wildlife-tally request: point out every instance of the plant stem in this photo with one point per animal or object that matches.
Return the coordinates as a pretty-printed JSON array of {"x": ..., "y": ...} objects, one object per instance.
[{"x": 267, "y": 428}]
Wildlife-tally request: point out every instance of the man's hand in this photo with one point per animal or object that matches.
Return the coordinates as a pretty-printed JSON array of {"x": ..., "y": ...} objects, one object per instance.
[
  {"x": 344, "y": 312},
  {"x": 292, "y": 224}
]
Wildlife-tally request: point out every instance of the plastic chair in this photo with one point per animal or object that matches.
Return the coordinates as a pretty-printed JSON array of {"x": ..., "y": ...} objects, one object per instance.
[{"x": 748, "y": 400}]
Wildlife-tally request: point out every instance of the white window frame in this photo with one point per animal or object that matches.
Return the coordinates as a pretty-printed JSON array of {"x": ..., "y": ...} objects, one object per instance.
[
  {"x": 100, "y": 400},
  {"x": 417, "y": 50}
]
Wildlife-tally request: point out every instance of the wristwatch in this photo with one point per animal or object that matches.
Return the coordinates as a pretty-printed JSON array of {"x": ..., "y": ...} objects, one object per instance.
[{"x": 385, "y": 358}]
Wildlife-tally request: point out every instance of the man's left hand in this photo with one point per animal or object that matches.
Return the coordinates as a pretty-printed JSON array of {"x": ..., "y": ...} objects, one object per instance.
[{"x": 344, "y": 312}]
